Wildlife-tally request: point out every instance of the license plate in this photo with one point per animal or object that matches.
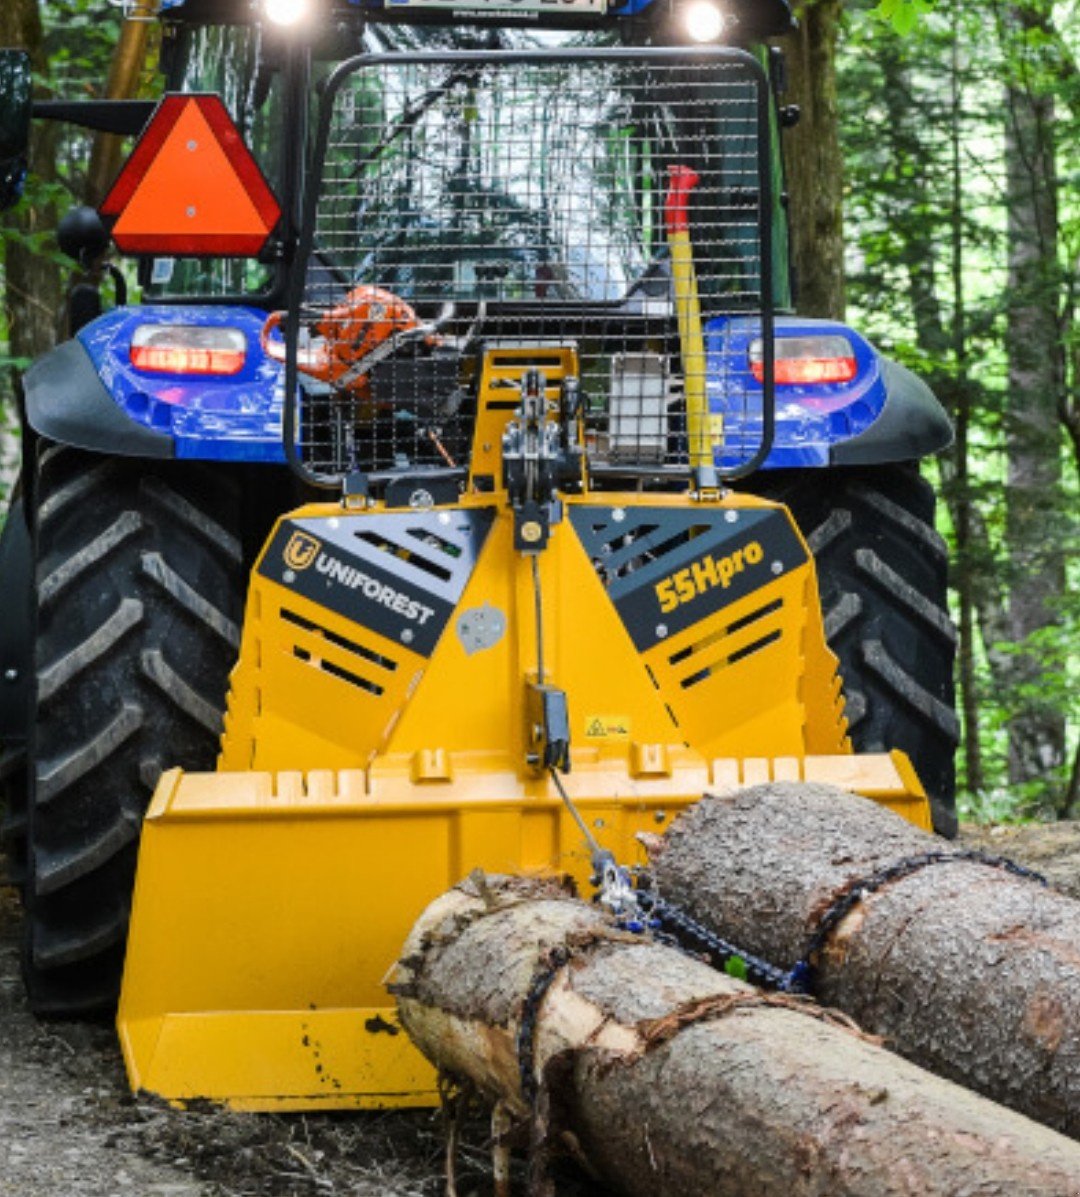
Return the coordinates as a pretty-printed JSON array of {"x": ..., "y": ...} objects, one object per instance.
[{"x": 509, "y": 7}]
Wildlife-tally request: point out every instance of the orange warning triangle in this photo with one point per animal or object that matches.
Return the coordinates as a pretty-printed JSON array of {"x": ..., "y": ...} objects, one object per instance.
[{"x": 191, "y": 186}]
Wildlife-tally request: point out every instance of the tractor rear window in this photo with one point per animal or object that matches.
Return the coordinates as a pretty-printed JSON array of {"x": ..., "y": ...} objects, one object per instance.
[{"x": 538, "y": 181}]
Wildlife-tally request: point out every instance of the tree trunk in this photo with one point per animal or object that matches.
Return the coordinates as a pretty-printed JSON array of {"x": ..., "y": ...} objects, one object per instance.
[
  {"x": 965, "y": 969},
  {"x": 814, "y": 163},
  {"x": 33, "y": 281},
  {"x": 672, "y": 1079},
  {"x": 1035, "y": 526}
]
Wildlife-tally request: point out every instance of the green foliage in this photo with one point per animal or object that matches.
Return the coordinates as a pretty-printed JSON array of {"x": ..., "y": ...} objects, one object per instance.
[
  {"x": 903, "y": 15},
  {"x": 932, "y": 224}
]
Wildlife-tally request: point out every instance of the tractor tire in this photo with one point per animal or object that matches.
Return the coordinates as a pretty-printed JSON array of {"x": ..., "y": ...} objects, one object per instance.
[
  {"x": 882, "y": 574},
  {"x": 140, "y": 587}
]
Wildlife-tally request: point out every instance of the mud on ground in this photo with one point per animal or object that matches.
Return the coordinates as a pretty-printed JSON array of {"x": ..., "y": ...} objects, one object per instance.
[{"x": 69, "y": 1127}]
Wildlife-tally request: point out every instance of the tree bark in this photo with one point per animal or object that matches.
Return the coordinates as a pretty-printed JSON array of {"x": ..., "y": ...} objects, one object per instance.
[
  {"x": 673, "y": 1079},
  {"x": 33, "y": 281},
  {"x": 965, "y": 969},
  {"x": 814, "y": 163},
  {"x": 1035, "y": 526}
]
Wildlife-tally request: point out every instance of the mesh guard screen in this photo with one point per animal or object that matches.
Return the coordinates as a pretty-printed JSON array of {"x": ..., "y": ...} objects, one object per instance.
[{"x": 467, "y": 201}]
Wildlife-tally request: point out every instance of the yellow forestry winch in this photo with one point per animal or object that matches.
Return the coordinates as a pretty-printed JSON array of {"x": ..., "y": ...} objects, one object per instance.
[{"x": 408, "y": 678}]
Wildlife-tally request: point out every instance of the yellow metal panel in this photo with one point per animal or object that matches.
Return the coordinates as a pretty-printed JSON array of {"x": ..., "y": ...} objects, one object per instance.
[
  {"x": 280, "y": 1060},
  {"x": 499, "y": 396}
]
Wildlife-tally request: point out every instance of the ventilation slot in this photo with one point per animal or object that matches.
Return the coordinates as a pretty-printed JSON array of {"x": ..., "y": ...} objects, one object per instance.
[
  {"x": 740, "y": 655},
  {"x": 345, "y": 675},
  {"x": 618, "y": 557},
  {"x": 404, "y": 553},
  {"x": 436, "y": 542},
  {"x": 350, "y": 646},
  {"x": 737, "y": 626}
]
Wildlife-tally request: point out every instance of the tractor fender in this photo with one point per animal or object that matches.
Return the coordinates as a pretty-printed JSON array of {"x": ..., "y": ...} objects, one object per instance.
[
  {"x": 67, "y": 402},
  {"x": 912, "y": 424}
]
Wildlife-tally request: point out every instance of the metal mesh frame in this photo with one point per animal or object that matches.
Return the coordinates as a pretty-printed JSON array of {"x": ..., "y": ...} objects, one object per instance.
[{"x": 517, "y": 197}]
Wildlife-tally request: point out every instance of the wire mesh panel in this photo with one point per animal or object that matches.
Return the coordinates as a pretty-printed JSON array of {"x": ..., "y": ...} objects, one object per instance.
[{"x": 468, "y": 202}]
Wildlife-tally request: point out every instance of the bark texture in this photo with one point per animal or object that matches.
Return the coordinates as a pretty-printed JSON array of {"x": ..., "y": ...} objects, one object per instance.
[
  {"x": 965, "y": 969},
  {"x": 673, "y": 1078},
  {"x": 814, "y": 162},
  {"x": 1035, "y": 526},
  {"x": 34, "y": 286}
]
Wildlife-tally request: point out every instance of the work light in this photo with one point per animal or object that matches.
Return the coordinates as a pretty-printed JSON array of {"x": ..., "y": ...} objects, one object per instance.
[
  {"x": 705, "y": 21},
  {"x": 286, "y": 12}
]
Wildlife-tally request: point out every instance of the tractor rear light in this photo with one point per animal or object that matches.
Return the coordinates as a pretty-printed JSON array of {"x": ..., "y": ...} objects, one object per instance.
[
  {"x": 286, "y": 12},
  {"x": 188, "y": 349},
  {"x": 807, "y": 360}
]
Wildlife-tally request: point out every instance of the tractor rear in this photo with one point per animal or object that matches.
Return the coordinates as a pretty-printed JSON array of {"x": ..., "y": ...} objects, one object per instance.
[
  {"x": 521, "y": 336},
  {"x": 524, "y": 352}
]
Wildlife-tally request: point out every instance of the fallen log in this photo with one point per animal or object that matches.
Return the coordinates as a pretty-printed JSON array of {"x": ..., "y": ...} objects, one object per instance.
[
  {"x": 966, "y": 969},
  {"x": 671, "y": 1078}
]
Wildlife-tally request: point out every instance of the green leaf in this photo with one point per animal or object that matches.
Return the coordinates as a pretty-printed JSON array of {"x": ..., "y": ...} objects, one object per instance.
[{"x": 735, "y": 966}]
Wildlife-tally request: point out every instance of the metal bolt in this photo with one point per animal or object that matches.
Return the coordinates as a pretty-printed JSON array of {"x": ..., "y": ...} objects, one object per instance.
[
  {"x": 444, "y": 517},
  {"x": 193, "y": 144},
  {"x": 599, "y": 824},
  {"x": 334, "y": 522},
  {"x": 191, "y": 211},
  {"x": 11, "y": 675},
  {"x": 407, "y": 636},
  {"x": 288, "y": 576},
  {"x": 731, "y": 516},
  {"x": 660, "y": 816},
  {"x": 661, "y": 631},
  {"x": 618, "y": 515},
  {"x": 777, "y": 567}
]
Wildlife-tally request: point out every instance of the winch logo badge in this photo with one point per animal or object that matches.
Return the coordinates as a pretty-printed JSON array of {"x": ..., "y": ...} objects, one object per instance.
[
  {"x": 301, "y": 550},
  {"x": 705, "y": 573}
]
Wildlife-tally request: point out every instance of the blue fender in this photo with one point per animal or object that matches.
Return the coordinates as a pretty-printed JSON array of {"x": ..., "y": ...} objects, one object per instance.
[{"x": 884, "y": 413}]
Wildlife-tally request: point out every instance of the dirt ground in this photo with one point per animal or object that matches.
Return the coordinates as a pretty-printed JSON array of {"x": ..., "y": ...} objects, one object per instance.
[{"x": 69, "y": 1128}]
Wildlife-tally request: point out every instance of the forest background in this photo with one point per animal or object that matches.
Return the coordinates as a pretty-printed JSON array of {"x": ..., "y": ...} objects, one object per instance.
[{"x": 935, "y": 183}]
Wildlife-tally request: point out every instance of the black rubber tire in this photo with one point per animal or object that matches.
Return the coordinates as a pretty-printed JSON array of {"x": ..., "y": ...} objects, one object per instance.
[
  {"x": 140, "y": 586},
  {"x": 883, "y": 576}
]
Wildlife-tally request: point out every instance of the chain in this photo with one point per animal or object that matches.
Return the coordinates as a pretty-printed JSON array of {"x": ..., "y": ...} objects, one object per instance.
[
  {"x": 855, "y": 891},
  {"x": 697, "y": 938},
  {"x": 530, "y": 1009}
]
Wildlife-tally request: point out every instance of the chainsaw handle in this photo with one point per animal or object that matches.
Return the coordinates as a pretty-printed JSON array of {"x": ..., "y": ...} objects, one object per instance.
[
  {"x": 275, "y": 350},
  {"x": 681, "y": 181}
]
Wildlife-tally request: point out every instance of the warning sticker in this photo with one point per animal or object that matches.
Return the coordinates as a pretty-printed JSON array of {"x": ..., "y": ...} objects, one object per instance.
[{"x": 607, "y": 727}]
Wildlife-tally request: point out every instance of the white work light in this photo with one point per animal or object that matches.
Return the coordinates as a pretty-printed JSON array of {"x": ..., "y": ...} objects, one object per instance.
[
  {"x": 704, "y": 21},
  {"x": 286, "y": 12}
]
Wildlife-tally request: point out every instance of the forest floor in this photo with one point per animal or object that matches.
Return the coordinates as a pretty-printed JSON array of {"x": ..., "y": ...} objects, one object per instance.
[{"x": 69, "y": 1127}]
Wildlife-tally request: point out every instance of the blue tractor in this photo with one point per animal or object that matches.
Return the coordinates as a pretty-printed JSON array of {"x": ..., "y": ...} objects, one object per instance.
[{"x": 159, "y": 445}]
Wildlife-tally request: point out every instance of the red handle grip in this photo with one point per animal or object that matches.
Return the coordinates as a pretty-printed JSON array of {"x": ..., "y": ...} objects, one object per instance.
[{"x": 681, "y": 181}]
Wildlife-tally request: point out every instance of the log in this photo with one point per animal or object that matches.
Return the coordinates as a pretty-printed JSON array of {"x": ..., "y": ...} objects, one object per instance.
[
  {"x": 671, "y": 1078},
  {"x": 967, "y": 970}
]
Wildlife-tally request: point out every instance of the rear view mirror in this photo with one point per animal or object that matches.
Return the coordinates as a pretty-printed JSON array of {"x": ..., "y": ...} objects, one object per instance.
[{"x": 14, "y": 123}]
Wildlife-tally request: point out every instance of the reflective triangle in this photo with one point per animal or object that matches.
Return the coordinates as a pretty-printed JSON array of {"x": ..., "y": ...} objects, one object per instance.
[{"x": 191, "y": 186}]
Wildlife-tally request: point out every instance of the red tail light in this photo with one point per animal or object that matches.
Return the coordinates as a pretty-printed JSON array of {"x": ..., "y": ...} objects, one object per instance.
[
  {"x": 188, "y": 349},
  {"x": 807, "y": 360}
]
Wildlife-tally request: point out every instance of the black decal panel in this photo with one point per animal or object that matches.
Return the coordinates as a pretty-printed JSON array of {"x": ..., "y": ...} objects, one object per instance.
[
  {"x": 667, "y": 569},
  {"x": 399, "y": 574}
]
